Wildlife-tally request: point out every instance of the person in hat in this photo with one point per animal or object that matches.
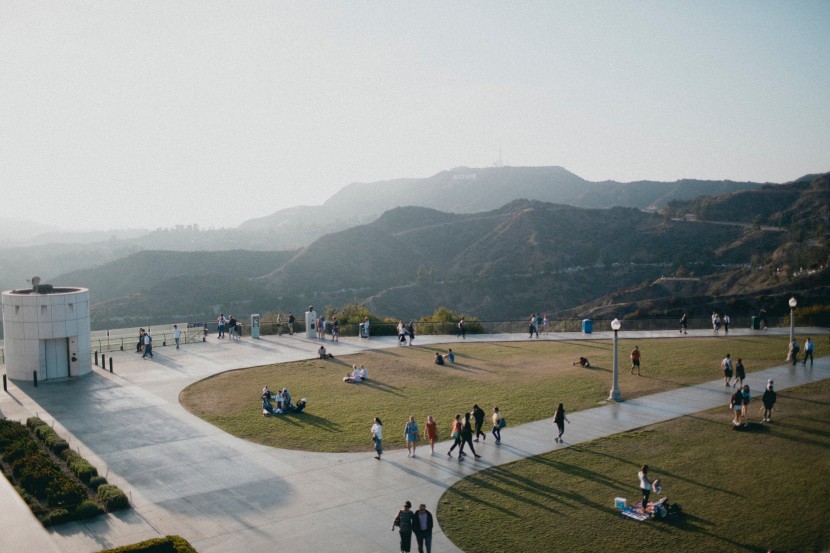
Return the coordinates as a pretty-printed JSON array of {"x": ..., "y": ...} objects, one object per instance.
[{"x": 768, "y": 400}]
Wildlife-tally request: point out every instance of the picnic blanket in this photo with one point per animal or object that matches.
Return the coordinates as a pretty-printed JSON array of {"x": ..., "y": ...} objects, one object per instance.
[{"x": 634, "y": 512}]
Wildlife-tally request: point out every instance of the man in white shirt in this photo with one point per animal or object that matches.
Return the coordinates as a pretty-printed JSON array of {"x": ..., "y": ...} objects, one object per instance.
[
  {"x": 148, "y": 345},
  {"x": 177, "y": 335}
]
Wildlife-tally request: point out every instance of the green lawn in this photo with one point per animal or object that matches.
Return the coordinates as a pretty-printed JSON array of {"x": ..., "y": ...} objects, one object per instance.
[
  {"x": 740, "y": 491},
  {"x": 525, "y": 379}
]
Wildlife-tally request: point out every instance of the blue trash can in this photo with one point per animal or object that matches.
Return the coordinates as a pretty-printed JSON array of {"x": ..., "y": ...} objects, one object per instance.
[{"x": 587, "y": 326}]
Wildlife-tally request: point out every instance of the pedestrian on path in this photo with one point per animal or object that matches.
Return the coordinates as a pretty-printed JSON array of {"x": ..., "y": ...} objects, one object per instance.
[
  {"x": 423, "y": 529},
  {"x": 431, "y": 431},
  {"x": 148, "y": 346},
  {"x": 467, "y": 437},
  {"x": 740, "y": 374},
  {"x": 726, "y": 365},
  {"x": 377, "y": 437},
  {"x": 478, "y": 418},
  {"x": 768, "y": 400},
  {"x": 532, "y": 326},
  {"x": 684, "y": 324},
  {"x": 411, "y": 433},
  {"x": 462, "y": 328},
  {"x": 792, "y": 354},
  {"x": 455, "y": 434},
  {"x": 808, "y": 351},
  {"x": 498, "y": 424},
  {"x": 404, "y": 521},
  {"x": 410, "y": 330},
  {"x": 177, "y": 335},
  {"x": 220, "y": 325},
  {"x": 635, "y": 359},
  {"x": 559, "y": 418}
]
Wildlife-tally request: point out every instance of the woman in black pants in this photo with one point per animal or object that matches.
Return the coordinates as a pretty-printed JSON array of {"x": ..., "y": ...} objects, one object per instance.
[{"x": 467, "y": 436}]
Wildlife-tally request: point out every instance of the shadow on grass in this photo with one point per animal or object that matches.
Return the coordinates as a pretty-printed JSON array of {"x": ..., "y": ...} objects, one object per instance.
[
  {"x": 586, "y": 344},
  {"x": 380, "y": 386},
  {"x": 307, "y": 419}
]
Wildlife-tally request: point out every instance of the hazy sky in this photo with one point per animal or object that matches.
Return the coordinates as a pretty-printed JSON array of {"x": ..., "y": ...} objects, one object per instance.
[{"x": 155, "y": 113}]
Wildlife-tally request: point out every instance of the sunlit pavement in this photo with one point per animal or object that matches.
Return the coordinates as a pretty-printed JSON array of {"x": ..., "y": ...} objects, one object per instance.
[{"x": 224, "y": 494}]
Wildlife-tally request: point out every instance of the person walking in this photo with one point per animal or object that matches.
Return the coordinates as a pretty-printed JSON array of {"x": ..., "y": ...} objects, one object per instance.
[
  {"x": 410, "y": 329},
  {"x": 740, "y": 374},
  {"x": 335, "y": 330},
  {"x": 792, "y": 354},
  {"x": 808, "y": 351},
  {"x": 431, "y": 433},
  {"x": 635, "y": 359},
  {"x": 455, "y": 434},
  {"x": 745, "y": 407},
  {"x": 726, "y": 365},
  {"x": 498, "y": 423},
  {"x": 140, "y": 344},
  {"x": 377, "y": 437},
  {"x": 559, "y": 418},
  {"x": 684, "y": 324},
  {"x": 411, "y": 433},
  {"x": 404, "y": 521},
  {"x": 768, "y": 399},
  {"x": 291, "y": 320},
  {"x": 423, "y": 529},
  {"x": 462, "y": 328},
  {"x": 467, "y": 437},
  {"x": 532, "y": 326},
  {"x": 478, "y": 418},
  {"x": 177, "y": 335},
  {"x": 148, "y": 345},
  {"x": 545, "y": 324}
]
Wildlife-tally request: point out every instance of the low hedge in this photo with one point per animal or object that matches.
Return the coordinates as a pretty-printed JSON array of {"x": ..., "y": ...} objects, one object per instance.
[
  {"x": 56, "y": 493},
  {"x": 112, "y": 498},
  {"x": 167, "y": 544}
]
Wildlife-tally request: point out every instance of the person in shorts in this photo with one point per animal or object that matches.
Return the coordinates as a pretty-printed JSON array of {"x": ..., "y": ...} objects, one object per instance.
[{"x": 635, "y": 359}]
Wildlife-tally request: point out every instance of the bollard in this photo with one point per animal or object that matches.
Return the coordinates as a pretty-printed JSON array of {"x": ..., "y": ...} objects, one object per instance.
[
  {"x": 110, "y": 363},
  {"x": 5, "y": 389},
  {"x": 96, "y": 357},
  {"x": 104, "y": 361},
  {"x": 34, "y": 377}
]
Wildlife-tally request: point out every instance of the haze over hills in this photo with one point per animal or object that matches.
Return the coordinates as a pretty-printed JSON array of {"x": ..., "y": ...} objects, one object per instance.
[{"x": 504, "y": 263}]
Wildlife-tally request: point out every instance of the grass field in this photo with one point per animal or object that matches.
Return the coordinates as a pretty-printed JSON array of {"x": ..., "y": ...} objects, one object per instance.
[
  {"x": 740, "y": 491},
  {"x": 525, "y": 379}
]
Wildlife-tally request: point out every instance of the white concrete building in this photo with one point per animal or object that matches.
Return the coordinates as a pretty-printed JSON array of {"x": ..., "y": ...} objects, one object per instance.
[{"x": 46, "y": 330}]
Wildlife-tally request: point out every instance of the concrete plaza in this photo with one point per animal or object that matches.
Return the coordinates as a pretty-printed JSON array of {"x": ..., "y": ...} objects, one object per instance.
[{"x": 224, "y": 494}]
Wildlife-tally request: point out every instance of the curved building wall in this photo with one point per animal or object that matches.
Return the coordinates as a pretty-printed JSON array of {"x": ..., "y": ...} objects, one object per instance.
[{"x": 46, "y": 332}]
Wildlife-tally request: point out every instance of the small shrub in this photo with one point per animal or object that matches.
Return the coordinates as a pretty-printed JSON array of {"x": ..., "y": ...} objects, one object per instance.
[
  {"x": 64, "y": 492},
  {"x": 57, "y": 516},
  {"x": 80, "y": 466},
  {"x": 86, "y": 509},
  {"x": 11, "y": 431},
  {"x": 167, "y": 544},
  {"x": 112, "y": 498},
  {"x": 34, "y": 422},
  {"x": 97, "y": 481}
]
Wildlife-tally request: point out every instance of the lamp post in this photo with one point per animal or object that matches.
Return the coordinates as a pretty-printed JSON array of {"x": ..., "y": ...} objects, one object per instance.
[
  {"x": 615, "y": 389},
  {"x": 792, "y": 303}
]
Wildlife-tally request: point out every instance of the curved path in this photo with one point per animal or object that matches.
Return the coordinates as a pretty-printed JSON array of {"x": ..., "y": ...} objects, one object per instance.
[{"x": 224, "y": 494}]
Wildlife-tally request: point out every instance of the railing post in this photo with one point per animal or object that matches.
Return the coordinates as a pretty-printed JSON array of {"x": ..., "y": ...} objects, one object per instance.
[
  {"x": 103, "y": 361},
  {"x": 96, "y": 357},
  {"x": 34, "y": 377},
  {"x": 5, "y": 387},
  {"x": 110, "y": 363}
]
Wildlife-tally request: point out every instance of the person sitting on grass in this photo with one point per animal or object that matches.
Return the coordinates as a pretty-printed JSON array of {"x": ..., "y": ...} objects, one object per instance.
[
  {"x": 449, "y": 356},
  {"x": 583, "y": 362},
  {"x": 323, "y": 354},
  {"x": 363, "y": 373},
  {"x": 267, "y": 408},
  {"x": 439, "y": 359},
  {"x": 353, "y": 377}
]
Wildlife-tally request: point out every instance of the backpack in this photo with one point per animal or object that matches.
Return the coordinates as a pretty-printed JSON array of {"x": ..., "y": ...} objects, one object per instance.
[{"x": 502, "y": 423}]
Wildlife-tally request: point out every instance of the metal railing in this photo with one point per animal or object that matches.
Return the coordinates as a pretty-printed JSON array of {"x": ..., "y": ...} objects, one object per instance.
[{"x": 126, "y": 339}]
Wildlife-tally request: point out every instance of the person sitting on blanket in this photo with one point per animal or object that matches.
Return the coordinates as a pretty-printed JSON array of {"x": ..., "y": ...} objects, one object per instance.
[
  {"x": 267, "y": 408},
  {"x": 354, "y": 377}
]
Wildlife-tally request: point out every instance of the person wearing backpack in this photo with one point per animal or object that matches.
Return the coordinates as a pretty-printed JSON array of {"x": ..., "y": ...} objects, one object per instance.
[
  {"x": 462, "y": 329},
  {"x": 792, "y": 356}
]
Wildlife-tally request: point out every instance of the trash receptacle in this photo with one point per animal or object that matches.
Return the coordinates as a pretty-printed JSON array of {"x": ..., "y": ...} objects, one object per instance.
[
  {"x": 587, "y": 326},
  {"x": 755, "y": 323}
]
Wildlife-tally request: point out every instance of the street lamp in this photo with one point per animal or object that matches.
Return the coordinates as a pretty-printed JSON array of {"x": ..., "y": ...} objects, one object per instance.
[
  {"x": 792, "y": 303},
  {"x": 615, "y": 389}
]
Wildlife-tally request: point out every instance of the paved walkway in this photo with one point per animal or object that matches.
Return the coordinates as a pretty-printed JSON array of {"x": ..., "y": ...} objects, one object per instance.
[{"x": 224, "y": 494}]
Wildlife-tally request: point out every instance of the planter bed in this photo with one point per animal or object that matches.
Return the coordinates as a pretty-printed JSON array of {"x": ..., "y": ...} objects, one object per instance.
[
  {"x": 57, "y": 483},
  {"x": 167, "y": 544}
]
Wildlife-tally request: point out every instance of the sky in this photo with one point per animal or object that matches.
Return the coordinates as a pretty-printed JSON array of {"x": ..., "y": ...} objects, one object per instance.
[{"x": 155, "y": 113}]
